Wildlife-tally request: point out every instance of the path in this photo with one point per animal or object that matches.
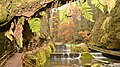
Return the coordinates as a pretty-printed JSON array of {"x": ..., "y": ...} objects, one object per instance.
[{"x": 15, "y": 61}]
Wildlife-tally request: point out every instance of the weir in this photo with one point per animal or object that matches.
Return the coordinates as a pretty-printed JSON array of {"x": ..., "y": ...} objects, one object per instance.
[
  {"x": 64, "y": 51},
  {"x": 64, "y": 57}
]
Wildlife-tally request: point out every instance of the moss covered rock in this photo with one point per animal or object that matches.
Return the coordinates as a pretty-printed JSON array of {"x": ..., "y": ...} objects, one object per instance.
[
  {"x": 106, "y": 30},
  {"x": 47, "y": 51},
  {"x": 80, "y": 48},
  {"x": 3, "y": 14},
  {"x": 86, "y": 58},
  {"x": 86, "y": 55},
  {"x": 41, "y": 56},
  {"x": 11, "y": 8}
]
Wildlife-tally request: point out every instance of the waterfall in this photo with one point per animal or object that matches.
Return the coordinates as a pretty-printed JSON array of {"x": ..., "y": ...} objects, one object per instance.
[
  {"x": 64, "y": 52},
  {"x": 55, "y": 57},
  {"x": 98, "y": 55},
  {"x": 68, "y": 48},
  {"x": 78, "y": 56},
  {"x": 63, "y": 55},
  {"x": 68, "y": 56}
]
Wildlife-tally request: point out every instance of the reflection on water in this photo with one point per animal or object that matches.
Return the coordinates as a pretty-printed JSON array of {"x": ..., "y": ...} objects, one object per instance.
[
  {"x": 62, "y": 63},
  {"x": 65, "y": 62}
]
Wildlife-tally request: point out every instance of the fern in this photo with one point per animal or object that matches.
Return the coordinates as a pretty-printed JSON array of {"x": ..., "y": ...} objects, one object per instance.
[
  {"x": 101, "y": 3},
  {"x": 86, "y": 11},
  {"x": 98, "y": 4},
  {"x": 63, "y": 15},
  {"x": 84, "y": 8},
  {"x": 35, "y": 25}
]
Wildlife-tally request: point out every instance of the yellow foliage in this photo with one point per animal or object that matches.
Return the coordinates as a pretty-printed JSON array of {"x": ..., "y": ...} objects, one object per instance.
[{"x": 109, "y": 3}]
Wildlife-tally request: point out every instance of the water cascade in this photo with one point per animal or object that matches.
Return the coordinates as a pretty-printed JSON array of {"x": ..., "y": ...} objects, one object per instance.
[
  {"x": 68, "y": 48},
  {"x": 63, "y": 57},
  {"x": 64, "y": 51},
  {"x": 98, "y": 55},
  {"x": 78, "y": 56}
]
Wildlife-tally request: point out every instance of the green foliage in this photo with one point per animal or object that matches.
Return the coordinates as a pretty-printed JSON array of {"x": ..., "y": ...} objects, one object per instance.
[
  {"x": 110, "y": 4},
  {"x": 63, "y": 15},
  {"x": 98, "y": 4},
  {"x": 101, "y": 3},
  {"x": 35, "y": 25},
  {"x": 47, "y": 51},
  {"x": 43, "y": 13},
  {"x": 20, "y": 41},
  {"x": 51, "y": 44},
  {"x": 20, "y": 20},
  {"x": 86, "y": 11},
  {"x": 17, "y": 33},
  {"x": 83, "y": 8},
  {"x": 9, "y": 33},
  {"x": 40, "y": 57}
]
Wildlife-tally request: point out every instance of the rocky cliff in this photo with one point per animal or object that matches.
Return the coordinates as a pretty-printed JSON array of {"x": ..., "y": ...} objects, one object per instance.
[{"x": 106, "y": 31}]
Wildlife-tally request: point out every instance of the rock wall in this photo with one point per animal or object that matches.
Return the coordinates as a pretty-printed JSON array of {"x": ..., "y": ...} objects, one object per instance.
[
  {"x": 106, "y": 31},
  {"x": 11, "y": 8}
]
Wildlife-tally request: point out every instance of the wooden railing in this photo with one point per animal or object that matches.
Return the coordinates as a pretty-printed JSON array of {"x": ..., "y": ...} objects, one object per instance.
[{"x": 6, "y": 56}]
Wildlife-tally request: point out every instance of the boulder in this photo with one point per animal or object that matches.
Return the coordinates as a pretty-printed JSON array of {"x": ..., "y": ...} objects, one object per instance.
[
  {"x": 80, "y": 48},
  {"x": 86, "y": 59}
]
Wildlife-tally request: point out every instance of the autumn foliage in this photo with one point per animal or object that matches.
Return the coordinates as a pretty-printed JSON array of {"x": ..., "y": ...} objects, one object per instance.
[
  {"x": 66, "y": 31},
  {"x": 84, "y": 35}
]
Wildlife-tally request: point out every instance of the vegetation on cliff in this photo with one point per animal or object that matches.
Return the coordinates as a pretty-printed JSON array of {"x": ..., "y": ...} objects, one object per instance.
[
  {"x": 39, "y": 58},
  {"x": 105, "y": 32}
]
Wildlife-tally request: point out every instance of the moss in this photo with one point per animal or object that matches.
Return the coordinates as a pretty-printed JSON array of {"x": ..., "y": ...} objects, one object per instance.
[
  {"x": 106, "y": 31},
  {"x": 36, "y": 59},
  {"x": 80, "y": 48},
  {"x": 86, "y": 58},
  {"x": 47, "y": 51},
  {"x": 40, "y": 58},
  {"x": 3, "y": 14},
  {"x": 97, "y": 65},
  {"x": 43, "y": 57},
  {"x": 51, "y": 44},
  {"x": 88, "y": 64},
  {"x": 86, "y": 55}
]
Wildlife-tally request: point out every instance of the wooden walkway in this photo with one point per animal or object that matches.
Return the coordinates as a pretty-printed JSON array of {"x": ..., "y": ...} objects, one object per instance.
[{"x": 15, "y": 61}]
